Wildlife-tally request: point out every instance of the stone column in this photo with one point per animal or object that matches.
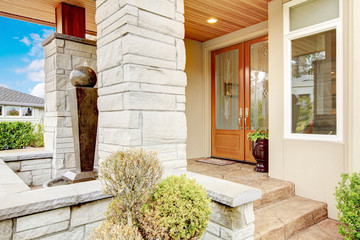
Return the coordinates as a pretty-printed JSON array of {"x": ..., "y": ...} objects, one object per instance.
[
  {"x": 62, "y": 54},
  {"x": 231, "y": 222},
  {"x": 141, "y": 61}
]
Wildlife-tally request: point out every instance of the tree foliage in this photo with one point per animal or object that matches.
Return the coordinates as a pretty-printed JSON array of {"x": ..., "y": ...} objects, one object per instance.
[
  {"x": 348, "y": 205},
  {"x": 130, "y": 176}
]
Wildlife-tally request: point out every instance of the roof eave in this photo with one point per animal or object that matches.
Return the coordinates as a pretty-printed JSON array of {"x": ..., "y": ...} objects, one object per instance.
[{"x": 21, "y": 104}]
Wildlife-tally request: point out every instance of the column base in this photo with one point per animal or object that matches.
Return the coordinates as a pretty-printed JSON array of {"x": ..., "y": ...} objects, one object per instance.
[{"x": 80, "y": 177}]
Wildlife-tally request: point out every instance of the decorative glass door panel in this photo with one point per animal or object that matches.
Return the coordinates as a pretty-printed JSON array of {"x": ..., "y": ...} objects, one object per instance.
[
  {"x": 256, "y": 89},
  {"x": 227, "y": 100},
  {"x": 227, "y": 90},
  {"x": 239, "y": 97},
  {"x": 259, "y": 85}
]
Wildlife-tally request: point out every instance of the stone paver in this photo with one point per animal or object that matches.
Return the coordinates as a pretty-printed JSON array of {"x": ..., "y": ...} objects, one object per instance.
[
  {"x": 324, "y": 230},
  {"x": 273, "y": 190},
  {"x": 282, "y": 219}
]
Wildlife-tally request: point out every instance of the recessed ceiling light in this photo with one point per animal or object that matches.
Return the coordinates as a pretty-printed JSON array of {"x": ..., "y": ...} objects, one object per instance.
[{"x": 212, "y": 20}]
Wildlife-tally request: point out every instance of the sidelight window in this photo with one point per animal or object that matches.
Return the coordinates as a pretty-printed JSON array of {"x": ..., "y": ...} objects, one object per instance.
[{"x": 313, "y": 83}]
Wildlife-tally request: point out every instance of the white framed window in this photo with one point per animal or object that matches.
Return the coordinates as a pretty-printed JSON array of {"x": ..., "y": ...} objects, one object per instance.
[
  {"x": 12, "y": 111},
  {"x": 27, "y": 111},
  {"x": 1, "y": 111},
  {"x": 313, "y": 86}
]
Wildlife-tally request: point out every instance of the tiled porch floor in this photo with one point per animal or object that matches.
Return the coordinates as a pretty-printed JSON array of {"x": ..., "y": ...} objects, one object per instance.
[{"x": 274, "y": 191}]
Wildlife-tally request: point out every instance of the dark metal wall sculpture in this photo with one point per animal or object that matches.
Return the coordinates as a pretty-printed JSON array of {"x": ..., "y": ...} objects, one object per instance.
[{"x": 84, "y": 118}]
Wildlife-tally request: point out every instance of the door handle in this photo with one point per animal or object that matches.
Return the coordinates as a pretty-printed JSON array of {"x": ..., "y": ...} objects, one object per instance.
[
  {"x": 240, "y": 118},
  {"x": 246, "y": 117}
]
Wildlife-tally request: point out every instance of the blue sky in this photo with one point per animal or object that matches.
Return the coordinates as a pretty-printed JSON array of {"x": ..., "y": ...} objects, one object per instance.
[{"x": 21, "y": 55}]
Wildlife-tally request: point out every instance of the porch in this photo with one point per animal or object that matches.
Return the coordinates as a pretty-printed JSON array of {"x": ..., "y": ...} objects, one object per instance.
[
  {"x": 143, "y": 101},
  {"x": 279, "y": 214}
]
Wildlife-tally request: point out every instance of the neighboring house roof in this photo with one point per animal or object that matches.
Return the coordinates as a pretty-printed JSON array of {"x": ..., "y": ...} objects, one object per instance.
[{"x": 12, "y": 97}]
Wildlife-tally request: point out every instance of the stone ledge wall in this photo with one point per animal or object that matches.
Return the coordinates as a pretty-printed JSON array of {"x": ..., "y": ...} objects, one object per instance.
[
  {"x": 62, "y": 54},
  {"x": 231, "y": 223},
  {"x": 70, "y": 223},
  {"x": 58, "y": 216},
  {"x": 33, "y": 167},
  {"x": 34, "y": 172},
  {"x": 78, "y": 221}
]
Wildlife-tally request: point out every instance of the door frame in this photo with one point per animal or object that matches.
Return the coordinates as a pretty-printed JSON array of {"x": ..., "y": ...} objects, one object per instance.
[
  {"x": 233, "y": 38},
  {"x": 244, "y": 87},
  {"x": 241, "y": 79}
]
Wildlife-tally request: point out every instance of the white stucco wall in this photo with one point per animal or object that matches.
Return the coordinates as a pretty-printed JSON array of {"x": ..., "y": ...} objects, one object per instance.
[
  {"x": 314, "y": 166},
  {"x": 195, "y": 112}
]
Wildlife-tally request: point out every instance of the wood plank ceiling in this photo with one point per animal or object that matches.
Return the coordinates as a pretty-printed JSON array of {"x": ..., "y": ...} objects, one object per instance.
[
  {"x": 43, "y": 11},
  {"x": 232, "y": 15}
]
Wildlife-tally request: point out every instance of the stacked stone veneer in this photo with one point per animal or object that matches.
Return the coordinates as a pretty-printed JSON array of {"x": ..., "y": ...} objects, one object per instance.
[
  {"x": 141, "y": 61},
  {"x": 34, "y": 172},
  {"x": 78, "y": 221},
  {"x": 72, "y": 211},
  {"x": 231, "y": 223},
  {"x": 62, "y": 54},
  {"x": 34, "y": 168},
  {"x": 71, "y": 223}
]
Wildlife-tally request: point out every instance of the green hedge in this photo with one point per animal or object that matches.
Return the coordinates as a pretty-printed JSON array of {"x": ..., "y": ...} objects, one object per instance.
[{"x": 16, "y": 135}]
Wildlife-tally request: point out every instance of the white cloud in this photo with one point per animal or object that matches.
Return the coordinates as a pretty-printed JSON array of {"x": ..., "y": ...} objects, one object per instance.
[
  {"x": 35, "y": 68},
  {"x": 47, "y": 32},
  {"x": 25, "y": 59},
  {"x": 34, "y": 71},
  {"x": 26, "y": 41},
  {"x": 34, "y": 40},
  {"x": 36, "y": 76},
  {"x": 38, "y": 90},
  {"x": 35, "y": 65}
]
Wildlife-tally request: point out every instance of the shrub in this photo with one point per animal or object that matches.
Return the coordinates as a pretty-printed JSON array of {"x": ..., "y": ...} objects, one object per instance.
[
  {"x": 15, "y": 135},
  {"x": 178, "y": 209},
  {"x": 112, "y": 231},
  {"x": 348, "y": 205},
  {"x": 131, "y": 176},
  {"x": 38, "y": 135}
]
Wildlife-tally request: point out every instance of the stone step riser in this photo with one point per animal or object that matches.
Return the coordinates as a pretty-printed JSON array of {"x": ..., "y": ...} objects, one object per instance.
[
  {"x": 268, "y": 198},
  {"x": 283, "y": 219}
]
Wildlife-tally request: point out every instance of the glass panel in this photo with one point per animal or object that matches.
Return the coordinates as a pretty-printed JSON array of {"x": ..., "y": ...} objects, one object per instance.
[
  {"x": 313, "y": 12},
  {"x": 259, "y": 85},
  {"x": 1, "y": 111},
  {"x": 27, "y": 111},
  {"x": 227, "y": 90},
  {"x": 12, "y": 111},
  {"x": 313, "y": 84}
]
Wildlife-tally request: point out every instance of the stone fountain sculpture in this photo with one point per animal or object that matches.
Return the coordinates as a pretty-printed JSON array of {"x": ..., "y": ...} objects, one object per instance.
[{"x": 84, "y": 118}]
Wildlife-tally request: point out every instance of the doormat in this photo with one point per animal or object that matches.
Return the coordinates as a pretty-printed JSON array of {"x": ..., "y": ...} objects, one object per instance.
[{"x": 215, "y": 161}]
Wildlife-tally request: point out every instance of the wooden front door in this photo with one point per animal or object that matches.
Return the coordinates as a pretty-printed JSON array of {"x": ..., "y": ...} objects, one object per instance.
[{"x": 239, "y": 91}]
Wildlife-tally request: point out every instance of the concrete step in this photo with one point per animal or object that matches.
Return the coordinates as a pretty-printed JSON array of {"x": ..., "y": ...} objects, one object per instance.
[
  {"x": 324, "y": 230},
  {"x": 273, "y": 190},
  {"x": 283, "y": 219}
]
